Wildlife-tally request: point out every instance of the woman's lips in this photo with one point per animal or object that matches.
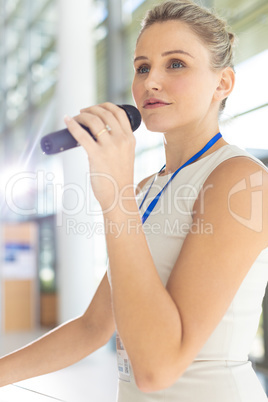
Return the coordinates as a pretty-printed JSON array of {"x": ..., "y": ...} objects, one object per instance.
[{"x": 154, "y": 103}]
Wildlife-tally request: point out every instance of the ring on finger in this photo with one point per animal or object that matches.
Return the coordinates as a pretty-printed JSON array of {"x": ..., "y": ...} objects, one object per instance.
[
  {"x": 108, "y": 128},
  {"x": 101, "y": 132}
]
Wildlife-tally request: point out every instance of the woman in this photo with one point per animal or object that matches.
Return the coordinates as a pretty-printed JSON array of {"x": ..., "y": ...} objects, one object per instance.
[{"x": 181, "y": 289}]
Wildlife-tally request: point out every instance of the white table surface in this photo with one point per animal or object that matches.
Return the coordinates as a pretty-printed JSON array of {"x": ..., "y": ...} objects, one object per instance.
[{"x": 93, "y": 379}]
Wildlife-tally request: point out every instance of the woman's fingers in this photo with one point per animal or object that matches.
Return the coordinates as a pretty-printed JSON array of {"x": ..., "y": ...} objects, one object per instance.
[
  {"x": 112, "y": 115},
  {"x": 105, "y": 122},
  {"x": 110, "y": 150},
  {"x": 120, "y": 115},
  {"x": 96, "y": 126},
  {"x": 98, "y": 113},
  {"x": 81, "y": 135}
]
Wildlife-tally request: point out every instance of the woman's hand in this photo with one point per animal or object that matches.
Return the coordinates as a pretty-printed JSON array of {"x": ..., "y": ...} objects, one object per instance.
[{"x": 111, "y": 155}]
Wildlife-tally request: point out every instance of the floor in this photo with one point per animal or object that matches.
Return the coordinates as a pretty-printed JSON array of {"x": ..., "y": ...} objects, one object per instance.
[{"x": 92, "y": 379}]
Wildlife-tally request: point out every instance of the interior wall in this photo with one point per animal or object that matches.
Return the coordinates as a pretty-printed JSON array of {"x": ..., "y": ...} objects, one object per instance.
[{"x": 75, "y": 90}]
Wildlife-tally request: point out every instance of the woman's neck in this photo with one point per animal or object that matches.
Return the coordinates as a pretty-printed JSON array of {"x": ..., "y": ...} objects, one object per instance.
[{"x": 179, "y": 147}]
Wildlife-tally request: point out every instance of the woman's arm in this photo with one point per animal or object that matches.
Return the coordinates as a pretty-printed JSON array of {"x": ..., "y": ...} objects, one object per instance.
[
  {"x": 164, "y": 328},
  {"x": 64, "y": 345}
]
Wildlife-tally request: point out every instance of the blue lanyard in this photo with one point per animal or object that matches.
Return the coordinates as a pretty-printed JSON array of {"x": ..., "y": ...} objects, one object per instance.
[{"x": 192, "y": 159}]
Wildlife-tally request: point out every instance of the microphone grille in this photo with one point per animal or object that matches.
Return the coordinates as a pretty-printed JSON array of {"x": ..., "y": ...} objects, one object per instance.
[{"x": 133, "y": 115}]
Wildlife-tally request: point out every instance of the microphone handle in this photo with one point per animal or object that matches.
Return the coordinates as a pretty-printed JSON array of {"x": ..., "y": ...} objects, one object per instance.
[{"x": 62, "y": 140}]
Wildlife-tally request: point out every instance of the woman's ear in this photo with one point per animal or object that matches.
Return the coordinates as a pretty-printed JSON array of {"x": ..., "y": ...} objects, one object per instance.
[{"x": 226, "y": 84}]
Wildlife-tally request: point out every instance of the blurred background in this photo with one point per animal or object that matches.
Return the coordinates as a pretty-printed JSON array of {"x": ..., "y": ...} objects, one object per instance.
[{"x": 57, "y": 56}]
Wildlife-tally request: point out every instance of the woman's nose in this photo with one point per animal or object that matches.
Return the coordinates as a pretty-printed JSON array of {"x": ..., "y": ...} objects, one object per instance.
[{"x": 153, "y": 81}]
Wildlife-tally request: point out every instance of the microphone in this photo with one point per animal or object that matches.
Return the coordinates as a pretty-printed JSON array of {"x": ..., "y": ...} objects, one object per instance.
[{"x": 62, "y": 140}]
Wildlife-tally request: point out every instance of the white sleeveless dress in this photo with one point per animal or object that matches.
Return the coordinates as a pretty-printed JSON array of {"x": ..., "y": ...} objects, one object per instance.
[{"x": 221, "y": 371}]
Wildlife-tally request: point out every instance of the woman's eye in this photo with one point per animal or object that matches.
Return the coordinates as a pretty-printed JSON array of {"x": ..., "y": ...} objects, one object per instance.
[
  {"x": 143, "y": 70},
  {"x": 176, "y": 64}
]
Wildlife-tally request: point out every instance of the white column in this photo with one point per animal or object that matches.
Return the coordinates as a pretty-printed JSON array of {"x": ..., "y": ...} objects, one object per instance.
[{"x": 75, "y": 90}]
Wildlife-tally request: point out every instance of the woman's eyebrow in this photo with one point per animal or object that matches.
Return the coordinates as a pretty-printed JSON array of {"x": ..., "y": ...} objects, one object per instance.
[
  {"x": 167, "y": 53},
  {"x": 140, "y": 58},
  {"x": 176, "y": 51}
]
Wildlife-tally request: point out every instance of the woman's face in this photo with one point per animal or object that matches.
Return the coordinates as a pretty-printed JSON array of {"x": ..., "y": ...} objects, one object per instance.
[{"x": 174, "y": 83}]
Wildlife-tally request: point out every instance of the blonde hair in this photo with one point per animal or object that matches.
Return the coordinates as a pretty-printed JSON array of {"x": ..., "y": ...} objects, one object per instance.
[{"x": 211, "y": 29}]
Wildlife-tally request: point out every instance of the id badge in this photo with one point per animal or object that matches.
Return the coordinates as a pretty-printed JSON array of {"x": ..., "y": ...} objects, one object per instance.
[{"x": 122, "y": 360}]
